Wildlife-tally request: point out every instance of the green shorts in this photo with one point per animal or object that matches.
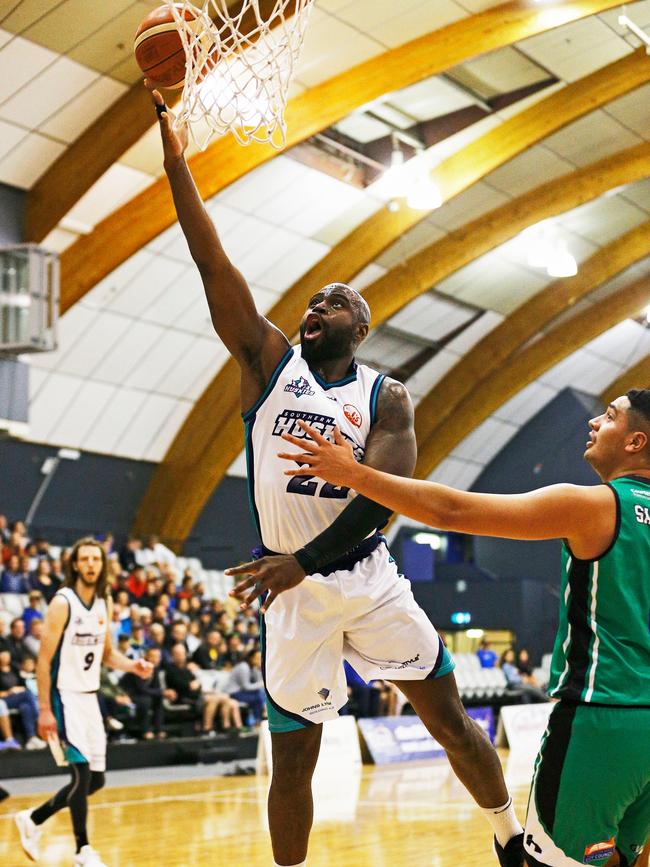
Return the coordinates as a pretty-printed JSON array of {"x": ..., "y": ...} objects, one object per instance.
[{"x": 591, "y": 789}]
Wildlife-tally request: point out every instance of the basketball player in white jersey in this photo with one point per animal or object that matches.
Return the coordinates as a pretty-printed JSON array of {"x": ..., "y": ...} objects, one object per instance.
[
  {"x": 321, "y": 543},
  {"x": 76, "y": 641}
]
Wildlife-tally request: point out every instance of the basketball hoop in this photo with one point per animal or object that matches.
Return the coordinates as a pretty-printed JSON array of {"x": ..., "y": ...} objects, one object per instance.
[{"x": 239, "y": 66}]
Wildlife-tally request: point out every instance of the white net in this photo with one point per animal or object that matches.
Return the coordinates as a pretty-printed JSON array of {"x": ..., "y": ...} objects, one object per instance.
[{"x": 239, "y": 66}]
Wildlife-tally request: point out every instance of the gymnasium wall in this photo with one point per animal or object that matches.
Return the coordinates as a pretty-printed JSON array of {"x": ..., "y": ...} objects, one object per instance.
[
  {"x": 14, "y": 374},
  {"x": 12, "y": 209}
]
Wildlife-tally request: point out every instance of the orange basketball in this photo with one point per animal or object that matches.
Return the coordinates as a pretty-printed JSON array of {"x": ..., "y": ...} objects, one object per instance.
[{"x": 159, "y": 50}]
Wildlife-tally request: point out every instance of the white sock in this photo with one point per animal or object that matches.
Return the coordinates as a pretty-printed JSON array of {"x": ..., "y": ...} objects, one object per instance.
[
  {"x": 504, "y": 822},
  {"x": 302, "y": 864}
]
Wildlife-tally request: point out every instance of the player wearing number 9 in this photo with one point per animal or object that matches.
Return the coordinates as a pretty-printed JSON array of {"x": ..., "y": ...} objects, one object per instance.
[
  {"x": 330, "y": 588},
  {"x": 76, "y": 641}
]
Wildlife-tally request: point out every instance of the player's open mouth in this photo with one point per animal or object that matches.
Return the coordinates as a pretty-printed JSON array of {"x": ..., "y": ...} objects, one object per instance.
[{"x": 313, "y": 327}]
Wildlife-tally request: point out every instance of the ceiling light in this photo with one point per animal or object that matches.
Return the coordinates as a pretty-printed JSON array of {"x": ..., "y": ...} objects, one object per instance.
[
  {"x": 424, "y": 195},
  {"x": 394, "y": 182},
  {"x": 562, "y": 263}
]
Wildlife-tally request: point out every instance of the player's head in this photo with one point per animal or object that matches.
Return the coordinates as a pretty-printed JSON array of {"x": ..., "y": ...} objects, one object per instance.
[
  {"x": 335, "y": 323},
  {"x": 88, "y": 564},
  {"x": 619, "y": 438}
]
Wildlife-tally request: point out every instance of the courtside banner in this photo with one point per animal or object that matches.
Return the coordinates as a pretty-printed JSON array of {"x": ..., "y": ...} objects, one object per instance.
[{"x": 405, "y": 739}]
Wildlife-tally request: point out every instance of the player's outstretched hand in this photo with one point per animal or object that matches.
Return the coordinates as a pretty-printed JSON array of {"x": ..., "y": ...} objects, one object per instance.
[
  {"x": 143, "y": 668},
  {"x": 46, "y": 724},
  {"x": 333, "y": 462},
  {"x": 272, "y": 575},
  {"x": 174, "y": 140}
]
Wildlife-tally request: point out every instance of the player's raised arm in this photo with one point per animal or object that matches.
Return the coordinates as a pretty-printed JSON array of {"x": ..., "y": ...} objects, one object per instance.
[
  {"x": 248, "y": 336},
  {"x": 56, "y": 618},
  {"x": 584, "y": 516}
]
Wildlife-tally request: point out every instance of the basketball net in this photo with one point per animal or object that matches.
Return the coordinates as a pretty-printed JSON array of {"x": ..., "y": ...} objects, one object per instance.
[{"x": 239, "y": 66}]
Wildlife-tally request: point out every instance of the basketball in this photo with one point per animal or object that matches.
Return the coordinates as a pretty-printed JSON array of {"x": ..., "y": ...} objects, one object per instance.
[{"x": 159, "y": 48}]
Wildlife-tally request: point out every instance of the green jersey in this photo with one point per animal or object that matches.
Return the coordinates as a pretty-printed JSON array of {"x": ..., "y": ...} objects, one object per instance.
[{"x": 602, "y": 649}]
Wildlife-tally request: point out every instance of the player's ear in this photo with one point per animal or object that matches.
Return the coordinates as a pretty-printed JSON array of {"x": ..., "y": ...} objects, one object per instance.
[
  {"x": 362, "y": 332},
  {"x": 637, "y": 442}
]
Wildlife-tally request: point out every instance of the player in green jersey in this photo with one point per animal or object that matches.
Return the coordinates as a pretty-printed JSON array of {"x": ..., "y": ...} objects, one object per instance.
[{"x": 590, "y": 798}]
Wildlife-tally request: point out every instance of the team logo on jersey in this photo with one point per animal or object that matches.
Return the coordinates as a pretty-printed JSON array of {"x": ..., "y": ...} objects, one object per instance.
[
  {"x": 287, "y": 422},
  {"x": 324, "y": 693},
  {"x": 300, "y": 387},
  {"x": 597, "y": 851},
  {"x": 78, "y": 621},
  {"x": 352, "y": 414}
]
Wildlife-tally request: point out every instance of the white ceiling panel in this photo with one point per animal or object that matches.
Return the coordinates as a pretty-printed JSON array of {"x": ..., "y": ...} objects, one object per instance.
[
  {"x": 196, "y": 317},
  {"x": 145, "y": 425},
  {"x": 264, "y": 298},
  {"x": 422, "y": 235},
  {"x": 494, "y": 283},
  {"x": 432, "y": 372},
  {"x": 58, "y": 240},
  {"x": 362, "y": 128},
  {"x": 116, "y": 418},
  {"x": 639, "y": 193},
  {"x": 116, "y": 186},
  {"x": 146, "y": 286},
  {"x": 632, "y": 110},
  {"x": 523, "y": 406},
  {"x": 471, "y": 336},
  {"x": 159, "y": 361},
  {"x": 412, "y": 23},
  {"x": 604, "y": 135},
  {"x": 50, "y": 404},
  {"x": 37, "y": 376},
  {"x": 604, "y": 219},
  {"x": 364, "y": 278},
  {"x": 24, "y": 165},
  {"x": 581, "y": 370},
  {"x": 96, "y": 341},
  {"x": 265, "y": 183},
  {"x": 430, "y": 316},
  {"x": 162, "y": 440},
  {"x": 83, "y": 413},
  {"x": 20, "y": 61},
  {"x": 622, "y": 343},
  {"x": 201, "y": 354},
  {"x": 77, "y": 115},
  {"x": 49, "y": 91},
  {"x": 10, "y": 136},
  {"x": 433, "y": 97},
  {"x": 557, "y": 47},
  {"x": 473, "y": 203},
  {"x": 486, "y": 441},
  {"x": 457, "y": 473},
  {"x": 244, "y": 236},
  {"x": 323, "y": 206},
  {"x": 276, "y": 244},
  {"x": 534, "y": 167},
  {"x": 342, "y": 225},
  {"x": 136, "y": 340},
  {"x": 108, "y": 289},
  {"x": 583, "y": 63},
  {"x": 179, "y": 296},
  {"x": 500, "y": 71},
  {"x": 287, "y": 270},
  {"x": 71, "y": 328}
]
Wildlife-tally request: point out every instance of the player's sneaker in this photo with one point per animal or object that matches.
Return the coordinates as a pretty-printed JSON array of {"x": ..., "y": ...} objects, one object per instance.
[
  {"x": 87, "y": 857},
  {"x": 512, "y": 854},
  {"x": 30, "y": 834},
  {"x": 35, "y": 743}
]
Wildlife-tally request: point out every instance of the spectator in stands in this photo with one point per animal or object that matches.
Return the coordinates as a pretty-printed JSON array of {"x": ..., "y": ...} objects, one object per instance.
[
  {"x": 150, "y": 597},
  {"x": 27, "y": 674},
  {"x": 156, "y": 552},
  {"x": 42, "y": 548},
  {"x": 156, "y": 639},
  {"x": 528, "y": 694},
  {"x": 113, "y": 701},
  {"x": 177, "y": 635},
  {"x": 211, "y": 655},
  {"x": 4, "y": 530},
  {"x": 161, "y": 614},
  {"x": 31, "y": 552},
  {"x": 57, "y": 571},
  {"x": 525, "y": 668},
  {"x": 195, "y": 607},
  {"x": 32, "y": 642},
  {"x": 169, "y": 588},
  {"x": 43, "y": 580},
  {"x": 15, "y": 545},
  {"x": 8, "y": 741},
  {"x": 130, "y": 554},
  {"x": 182, "y": 611},
  {"x": 487, "y": 657},
  {"x": 13, "y": 580},
  {"x": 124, "y": 646},
  {"x": 14, "y": 693},
  {"x": 187, "y": 687},
  {"x": 186, "y": 591},
  {"x": 245, "y": 684},
  {"x": 34, "y": 609},
  {"x": 137, "y": 584},
  {"x": 236, "y": 651},
  {"x": 193, "y": 639},
  {"x": 147, "y": 696},
  {"x": 16, "y": 641},
  {"x": 137, "y": 641}
]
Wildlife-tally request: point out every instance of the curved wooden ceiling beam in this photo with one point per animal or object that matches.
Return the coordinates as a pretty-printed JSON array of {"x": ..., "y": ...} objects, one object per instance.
[
  {"x": 137, "y": 222},
  {"x": 490, "y": 354},
  {"x": 637, "y": 376},
  {"x": 528, "y": 365}
]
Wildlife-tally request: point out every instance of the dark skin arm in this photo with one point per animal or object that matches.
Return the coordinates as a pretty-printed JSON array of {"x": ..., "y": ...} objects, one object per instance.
[
  {"x": 390, "y": 447},
  {"x": 255, "y": 344}
]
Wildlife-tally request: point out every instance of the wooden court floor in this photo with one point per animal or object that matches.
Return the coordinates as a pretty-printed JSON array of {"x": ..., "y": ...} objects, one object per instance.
[{"x": 395, "y": 816}]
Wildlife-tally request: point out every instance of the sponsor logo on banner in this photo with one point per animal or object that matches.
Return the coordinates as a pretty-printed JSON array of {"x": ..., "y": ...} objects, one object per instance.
[
  {"x": 352, "y": 414},
  {"x": 599, "y": 850},
  {"x": 300, "y": 387},
  {"x": 406, "y": 738}
]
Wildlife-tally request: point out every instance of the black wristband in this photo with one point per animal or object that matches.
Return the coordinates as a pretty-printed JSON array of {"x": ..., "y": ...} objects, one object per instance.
[
  {"x": 160, "y": 109},
  {"x": 359, "y": 518}
]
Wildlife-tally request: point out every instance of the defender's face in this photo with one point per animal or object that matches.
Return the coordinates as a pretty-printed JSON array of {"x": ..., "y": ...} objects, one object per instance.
[
  {"x": 329, "y": 327},
  {"x": 89, "y": 564},
  {"x": 607, "y": 434}
]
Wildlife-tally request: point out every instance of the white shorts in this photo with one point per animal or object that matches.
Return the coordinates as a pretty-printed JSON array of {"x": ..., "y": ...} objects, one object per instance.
[
  {"x": 81, "y": 728},
  {"x": 367, "y": 615}
]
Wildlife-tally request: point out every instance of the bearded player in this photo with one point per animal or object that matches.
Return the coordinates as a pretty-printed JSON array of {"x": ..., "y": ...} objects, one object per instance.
[{"x": 331, "y": 587}]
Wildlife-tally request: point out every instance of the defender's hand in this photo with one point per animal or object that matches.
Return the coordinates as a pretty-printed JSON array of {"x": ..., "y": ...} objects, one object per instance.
[
  {"x": 46, "y": 724},
  {"x": 269, "y": 574},
  {"x": 174, "y": 140},
  {"x": 333, "y": 462}
]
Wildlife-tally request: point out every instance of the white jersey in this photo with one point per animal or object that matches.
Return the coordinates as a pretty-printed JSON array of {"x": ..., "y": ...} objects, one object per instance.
[
  {"x": 291, "y": 511},
  {"x": 77, "y": 663}
]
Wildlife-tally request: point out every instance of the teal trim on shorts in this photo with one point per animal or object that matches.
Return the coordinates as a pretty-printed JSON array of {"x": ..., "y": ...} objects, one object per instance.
[
  {"x": 278, "y": 722},
  {"x": 446, "y": 666}
]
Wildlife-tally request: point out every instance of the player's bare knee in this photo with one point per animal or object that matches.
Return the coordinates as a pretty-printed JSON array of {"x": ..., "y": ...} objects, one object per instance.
[
  {"x": 454, "y": 732},
  {"x": 294, "y": 757}
]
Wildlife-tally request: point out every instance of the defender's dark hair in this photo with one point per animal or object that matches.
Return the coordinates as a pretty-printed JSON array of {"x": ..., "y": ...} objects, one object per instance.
[
  {"x": 640, "y": 402},
  {"x": 72, "y": 573}
]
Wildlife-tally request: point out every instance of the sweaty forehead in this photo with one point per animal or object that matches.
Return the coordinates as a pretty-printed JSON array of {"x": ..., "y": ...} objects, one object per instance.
[{"x": 356, "y": 299}]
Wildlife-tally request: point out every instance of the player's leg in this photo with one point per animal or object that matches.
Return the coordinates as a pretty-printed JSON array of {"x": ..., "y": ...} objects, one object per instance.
[
  {"x": 210, "y": 702},
  {"x": 291, "y": 807},
  {"x": 633, "y": 839}
]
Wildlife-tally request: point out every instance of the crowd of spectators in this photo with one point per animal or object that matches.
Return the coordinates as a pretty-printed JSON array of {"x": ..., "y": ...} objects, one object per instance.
[{"x": 206, "y": 652}]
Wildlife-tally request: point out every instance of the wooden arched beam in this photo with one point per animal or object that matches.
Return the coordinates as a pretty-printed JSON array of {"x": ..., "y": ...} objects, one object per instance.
[
  {"x": 637, "y": 376},
  {"x": 488, "y": 357},
  {"x": 204, "y": 447},
  {"x": 527, "y": 366},
  {"x": 137, "y": 222}
]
